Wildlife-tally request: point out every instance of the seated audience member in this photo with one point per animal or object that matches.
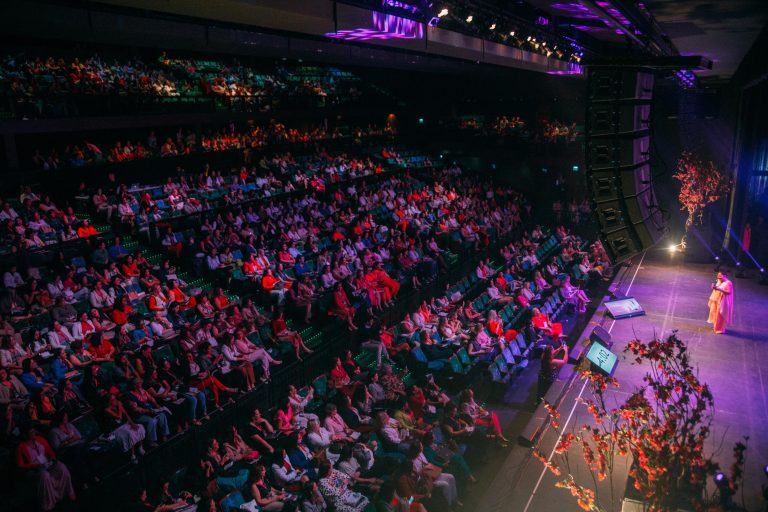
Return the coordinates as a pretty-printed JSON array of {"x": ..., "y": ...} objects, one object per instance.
[{"x": 37, "y": 460}]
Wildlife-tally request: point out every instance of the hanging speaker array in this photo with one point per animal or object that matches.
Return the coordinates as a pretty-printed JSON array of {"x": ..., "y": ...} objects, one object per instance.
[{"x": 618, "y": 158}]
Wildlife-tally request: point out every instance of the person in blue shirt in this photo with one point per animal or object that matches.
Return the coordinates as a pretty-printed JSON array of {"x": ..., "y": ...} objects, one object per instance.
[
  {"x": 300, "y": 456},
  {"x": 61, "y": 366},
  {"x": 117, "y": 251},
  {"x": 33, "y": 377},
  {"x": 300, "y": 267}
]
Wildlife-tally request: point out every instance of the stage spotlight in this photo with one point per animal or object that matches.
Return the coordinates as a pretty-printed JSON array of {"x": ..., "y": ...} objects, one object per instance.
[
  {"x": 443, "y": 13},
  {"x": 765, "y": 469},
  {"x": 738, "y": 263},
  {"x": 470, "y": 18},
  {"x": 492, "y": 27},
  {"x": 725, "y": 490},
  {"x": 512, "y": 33},
  {"x": 672, "y": 248},
  {"x": 717, "y": 258},
  {"x": 528, "y": 38}
]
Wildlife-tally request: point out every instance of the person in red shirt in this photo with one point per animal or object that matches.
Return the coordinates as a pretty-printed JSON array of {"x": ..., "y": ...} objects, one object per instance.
[
  {"x": 252, "y": 267},
  {"x": 121, "y": 311},
  {"x": 542, "y": 323},
  {"x": 285, "y": 335},
  {"x": 269, "y": 283},
  {"x": 220, "y": 300},
  {"x": 129, "y": 268},
  {"x": 179, "y": 297},
  {"x": 495, "y": 325},
  {"x": 417, "y": 401},
  {"x": 393, "y": 349},
  {"x": 342, "y": 308},
  {"x": 86, "y": 230},
  {"x": 36, "y": 457},
  {"x": 392, "y": 284},
  {"x": 339, "y": 378}
]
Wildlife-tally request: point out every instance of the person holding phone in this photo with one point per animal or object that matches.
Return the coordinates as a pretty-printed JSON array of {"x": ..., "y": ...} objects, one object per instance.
[{"x": 554, "y": 356}]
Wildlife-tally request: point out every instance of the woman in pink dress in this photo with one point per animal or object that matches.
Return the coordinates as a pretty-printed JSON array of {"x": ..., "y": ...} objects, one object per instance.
[{"x": 721, "y": 303}]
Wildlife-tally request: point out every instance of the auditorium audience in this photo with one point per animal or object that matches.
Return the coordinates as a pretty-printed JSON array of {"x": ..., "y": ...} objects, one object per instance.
[{"x": 148, "y": 350}]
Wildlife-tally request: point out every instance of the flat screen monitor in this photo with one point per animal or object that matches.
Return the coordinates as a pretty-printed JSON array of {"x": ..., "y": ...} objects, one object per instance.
[{"x": 602, "y": 359}]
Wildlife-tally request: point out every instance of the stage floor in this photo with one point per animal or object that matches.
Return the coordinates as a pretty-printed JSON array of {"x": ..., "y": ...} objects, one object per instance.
[{"x": 674, "y": 295}]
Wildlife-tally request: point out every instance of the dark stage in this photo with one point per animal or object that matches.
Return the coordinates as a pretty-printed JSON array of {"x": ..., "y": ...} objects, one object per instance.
[{"x": 674, "y": 295}]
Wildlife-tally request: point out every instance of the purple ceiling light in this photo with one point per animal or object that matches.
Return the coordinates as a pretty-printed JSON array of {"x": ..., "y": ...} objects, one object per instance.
[
  {"x": 570, "y": 7},
  {"x": 589, "y": 28},
  {"x": 385, "y": 26},
  {"x": 567, "y": 72}
]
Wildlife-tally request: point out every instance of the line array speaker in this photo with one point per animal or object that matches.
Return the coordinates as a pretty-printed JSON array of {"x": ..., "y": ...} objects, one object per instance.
[{"x": 617, "y": 158}]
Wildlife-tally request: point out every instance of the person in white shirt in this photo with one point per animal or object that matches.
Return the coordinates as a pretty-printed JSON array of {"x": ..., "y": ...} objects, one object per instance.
[
  {"x": 8, "y": 213},
  {"x": 317, "y": 436},
  {"x": 327, "y": 279},
  {"x": 82, "y": 327},
  {"x": 213, "y": 260},
  {"x": 389, "y": 430},
  {"x": 284, "y": 472},
  {"x": 335, "y": 424},
  {"x": 298, "y": 403},
  {"x": 495, "y": 294},
  {"x": 161, "y": 327},
  {"x": 59, "y": 336},
  {"x": 12, "y": 279},
  {"x": 531, "y": 258},
  {"x": 100, "y": 298}
]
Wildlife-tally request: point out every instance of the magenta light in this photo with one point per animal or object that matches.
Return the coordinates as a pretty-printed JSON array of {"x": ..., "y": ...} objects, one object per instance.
[
  {"x": 571, "y": 7},
  {"x": 588, "y": 28},
  {"x": 561, "y": 72},
  {"x": 398, "y": 25},
  {"x": 365, "y": 34},
  {"x": 385, "y": 26},
  {"x": 401, "y": 5}
]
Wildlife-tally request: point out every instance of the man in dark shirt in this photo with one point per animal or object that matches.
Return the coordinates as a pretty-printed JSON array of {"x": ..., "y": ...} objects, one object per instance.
[{"x": 64, "y": 313}]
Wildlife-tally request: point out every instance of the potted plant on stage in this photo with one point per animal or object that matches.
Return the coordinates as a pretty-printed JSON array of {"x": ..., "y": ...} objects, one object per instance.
[
  {"x": 662, "y": 427},
  {"x": 702, "y": 183}
]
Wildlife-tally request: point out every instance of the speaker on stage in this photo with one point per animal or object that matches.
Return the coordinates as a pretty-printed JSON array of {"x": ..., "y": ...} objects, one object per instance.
[
  {"x": 602, "y": 336},
  {"x": 617, "y": 158}
]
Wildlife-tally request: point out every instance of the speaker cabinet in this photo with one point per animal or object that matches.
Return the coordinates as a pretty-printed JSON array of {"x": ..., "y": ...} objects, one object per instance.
[
  {"x": 617, "y": 158},
  {"x": 618, "y": 118},
  {"x": 614, "y": 84},
  {"x": 613, "y": 152}
]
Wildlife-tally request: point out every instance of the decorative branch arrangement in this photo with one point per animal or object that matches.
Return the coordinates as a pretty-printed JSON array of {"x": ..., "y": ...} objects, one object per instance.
[
  {"x": 662, "y": 426},
  {"x": 701, "y": 184}
]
